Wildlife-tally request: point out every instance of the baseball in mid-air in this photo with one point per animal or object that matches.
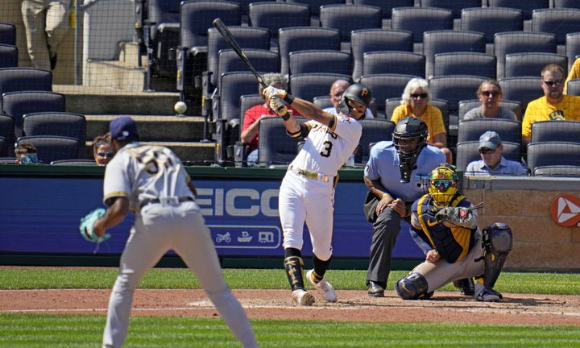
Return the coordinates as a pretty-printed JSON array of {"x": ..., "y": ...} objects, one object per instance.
[{"x": 180, "y": 107}]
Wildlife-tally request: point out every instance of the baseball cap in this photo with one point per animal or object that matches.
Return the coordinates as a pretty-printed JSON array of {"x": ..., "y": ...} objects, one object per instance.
[
  {"x": 123, "y": 128},
  {"x": 490, "y": 140}
]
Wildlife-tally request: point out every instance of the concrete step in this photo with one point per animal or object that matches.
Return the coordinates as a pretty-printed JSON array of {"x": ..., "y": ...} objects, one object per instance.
[
  {"x": 108, "y": 101},
  {"x": 121, "y": 75},
  {"x": 129, "y": 53},
  {"x": 153, "y": 127}
]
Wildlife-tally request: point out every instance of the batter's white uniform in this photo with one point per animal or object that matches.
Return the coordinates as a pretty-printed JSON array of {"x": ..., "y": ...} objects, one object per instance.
[
  {"x": 307, "y": 191},
  {"x": 166, "y": 217}
]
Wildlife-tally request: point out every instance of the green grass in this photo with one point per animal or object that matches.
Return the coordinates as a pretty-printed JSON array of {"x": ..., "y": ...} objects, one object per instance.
[
  {"x": 161, "y": 278},
  {"x": 50, "y": 330}
]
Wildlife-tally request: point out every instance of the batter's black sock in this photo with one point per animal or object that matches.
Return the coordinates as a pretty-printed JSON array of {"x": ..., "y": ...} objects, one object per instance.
[
  {"x": 293, "y": 264},
  {"x": 320, "y": 268}
]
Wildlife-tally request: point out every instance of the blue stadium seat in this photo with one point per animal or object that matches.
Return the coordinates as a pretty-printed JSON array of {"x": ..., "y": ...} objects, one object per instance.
[
  {"x": 23, "y": 79},
  {"x": 550, "y": 153},
  {"x": 320, "y": 61},
  {"x": 568, "y": 131},
  {"x": 465, "y": 63},
  {"x": 559, "y": 21},
  {"x": 7, "y": 34},
  {"x": 385, "y": 86},
  {"x": 274, "y": 16},
  {"x": 532, "y": 63},
  {"x": 293, "y": 39},
  {"x": 521, "y": 41},
  {"x": 8, "y": 56},
  {"x": 308, "y": 86},
  {"x": 420, "y": 19},
  {"x": 526, "y": 6},
  {"x": 523, "y": 89},
  {"x": 347, "y": 18},
  {"x": 51, "y": 147},
  {"x": 393, "y": 62},
  {"x": 445, "y": 41}
]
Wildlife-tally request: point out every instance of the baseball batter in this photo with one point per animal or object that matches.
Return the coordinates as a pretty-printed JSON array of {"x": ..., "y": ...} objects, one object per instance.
[
  {"x": 446, "y": 225},
  {"x": 307, "y": 190},
  {"x": 151, "y": 182}
]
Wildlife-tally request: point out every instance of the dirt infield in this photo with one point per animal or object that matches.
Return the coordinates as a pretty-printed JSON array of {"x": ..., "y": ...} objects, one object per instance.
[{"x": 276, "y": 304}]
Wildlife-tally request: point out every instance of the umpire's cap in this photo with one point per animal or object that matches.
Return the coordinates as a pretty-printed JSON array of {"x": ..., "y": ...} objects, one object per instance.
[
  {"x": 358, "y": 93},
  {"x": 123, "y": 128}
]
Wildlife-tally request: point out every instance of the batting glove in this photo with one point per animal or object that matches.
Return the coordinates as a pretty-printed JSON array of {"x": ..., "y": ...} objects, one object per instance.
[
  {"x": 271, "y": 92},
  {"x": 278, "y": 106}
]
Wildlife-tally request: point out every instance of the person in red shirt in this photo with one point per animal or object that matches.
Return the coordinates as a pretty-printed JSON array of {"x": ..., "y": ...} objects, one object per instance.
[{"x": 251, "y": 125}]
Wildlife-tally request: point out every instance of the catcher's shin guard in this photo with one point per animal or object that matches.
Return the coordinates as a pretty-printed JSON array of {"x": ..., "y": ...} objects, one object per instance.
[
  {"x": 412, "y": 287},
  {"x": 293, "y": 264},
  {"x": 497, "y": 244}
]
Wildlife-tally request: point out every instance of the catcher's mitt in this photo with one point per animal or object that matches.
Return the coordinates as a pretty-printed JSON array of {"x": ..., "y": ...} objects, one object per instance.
[
  {"x": 459, "y": 216},
  {"x": 87, "y": 223}
]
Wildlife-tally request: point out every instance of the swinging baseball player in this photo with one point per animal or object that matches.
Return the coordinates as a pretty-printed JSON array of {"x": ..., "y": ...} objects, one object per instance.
[
  {"x": 152, "y": 182},
  {"x": 446, "y": 225},
  {"x": 307, "y": 190}
]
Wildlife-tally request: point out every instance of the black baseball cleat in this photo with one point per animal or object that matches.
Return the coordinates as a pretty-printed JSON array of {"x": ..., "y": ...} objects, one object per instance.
[
  {"x": 376, "y": 289},
  {"x": 466, "y": 286}
]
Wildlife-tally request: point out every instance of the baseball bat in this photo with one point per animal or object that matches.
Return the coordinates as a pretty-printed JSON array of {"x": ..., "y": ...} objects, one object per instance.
[{"x": 227, "y": 35}]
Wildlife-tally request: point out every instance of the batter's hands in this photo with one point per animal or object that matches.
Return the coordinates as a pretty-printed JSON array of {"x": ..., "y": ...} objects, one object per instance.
[
  {"x": 278, "y": 106},
  {"x": 271, "y": 92},
  {"x": 433, "y": 256}
]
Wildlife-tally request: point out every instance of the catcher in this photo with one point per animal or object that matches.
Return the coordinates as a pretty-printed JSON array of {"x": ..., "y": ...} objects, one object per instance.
[{"x": 445, "y": 224}]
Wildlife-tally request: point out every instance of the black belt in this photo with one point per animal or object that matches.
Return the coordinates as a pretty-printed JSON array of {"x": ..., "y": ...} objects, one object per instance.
[{"x": 157, "y": 200}]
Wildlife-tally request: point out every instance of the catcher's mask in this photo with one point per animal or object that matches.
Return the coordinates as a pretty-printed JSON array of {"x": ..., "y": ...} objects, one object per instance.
[
  {"x": 406, "y": 129},
  {"x": 358, "y": 93},
  {"x": 443, "y": 185}
]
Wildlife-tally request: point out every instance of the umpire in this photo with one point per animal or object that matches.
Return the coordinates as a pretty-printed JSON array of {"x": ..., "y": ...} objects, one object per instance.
[{"x": 394, "y": 175}]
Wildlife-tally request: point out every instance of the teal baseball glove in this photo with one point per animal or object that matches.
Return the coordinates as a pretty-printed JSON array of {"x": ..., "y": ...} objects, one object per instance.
[{"x": 87, "y": 223}]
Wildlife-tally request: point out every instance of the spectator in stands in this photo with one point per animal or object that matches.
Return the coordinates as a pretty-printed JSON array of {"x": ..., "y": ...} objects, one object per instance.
[
  {"x": 489, "y": 94},
  {"x": 253, "y": 115},
  {"x": 574, "y": 74},
  {"x": 336, "y": 90},
  {"x": 26, "y": 153},
  {"x": 415, "y": 102},
  {"x": 492, "y": 162},
  {"x": 553, "y": 106},
  {"x": 102, "y": 149},
  {"x": 46, "y": 24}
]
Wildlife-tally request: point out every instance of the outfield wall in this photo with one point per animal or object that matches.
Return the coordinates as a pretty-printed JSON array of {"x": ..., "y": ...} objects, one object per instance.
[{"x": 42, "y": 205}]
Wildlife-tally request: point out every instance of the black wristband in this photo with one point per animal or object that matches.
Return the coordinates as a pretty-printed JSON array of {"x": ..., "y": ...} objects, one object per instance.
[
  {"x": 286, "y": 116},
  {"x": 289, "y": 98}
]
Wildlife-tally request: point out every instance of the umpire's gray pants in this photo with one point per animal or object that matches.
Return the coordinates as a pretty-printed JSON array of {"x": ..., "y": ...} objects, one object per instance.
[{"x": 385, "y": 231}]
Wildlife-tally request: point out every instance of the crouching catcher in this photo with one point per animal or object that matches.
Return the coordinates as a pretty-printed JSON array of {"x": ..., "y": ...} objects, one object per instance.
[{"x": 444, "y": 225}]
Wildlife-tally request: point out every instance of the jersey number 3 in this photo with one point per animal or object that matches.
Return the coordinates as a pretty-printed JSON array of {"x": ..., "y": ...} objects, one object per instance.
[{"x": 327, "y": 149}]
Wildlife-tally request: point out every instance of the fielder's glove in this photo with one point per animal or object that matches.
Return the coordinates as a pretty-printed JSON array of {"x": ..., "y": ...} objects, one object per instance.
[
  {"x": 459, "y": 216},
  {"x": 271, "y": 92},
  {"x": 87, "y": 224}
]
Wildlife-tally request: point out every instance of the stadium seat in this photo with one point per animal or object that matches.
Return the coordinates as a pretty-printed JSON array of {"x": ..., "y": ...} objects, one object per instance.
[
  {"x": 23, "y": 79},
  {"x": 523, "y": 89},
  {"x": 468, "y": 152},
  {"x": 385, "y": 6},
  {"x": 471, "y": 130},
  {"x": 347, "y": 18},
  {"x": 393, "y": 62},
  {"x": 274, "y": 16},
  {"x": 453, "y": 5},
  {"x": 491, "y": 20},
  {"x": 323, "y": 101},
  {"x": 573, "y": 87},
  {"x": 526, "y": 6},
  {"x": 308, "y": 86},
  {"x": 55, "y": 123},
  {"x": 369, "y": 40},
  {"x": 6, "y": 133},
  {"x": 445, "y": 41},
  {"x": 454, "y": 89},
  {"x": 17, "y": 104},
  {"x": 315, "y": 8},
  {"x": 74, "y": 162},
  {"x": 572, "y": 48},
  {"x": 3, "y": 147},
  {"x": 565, "y": 4},
  {"x": 419, "y": 19},
  {"x": 246, "y": 37},
  {"x": 265, "y": 61},
  {"x": 568, "y": 131},
  {"x": 559, "y": 21},
  {"x": 521, "y": 41},
  {"x": 161, "y": 33},
  {"x": 8, "y": 56},
  {"x": 232, "y": 86},
  {"x": 7, "y": 34},
  {"x": 465, "y": 63},
  {"x": 557, "y": 171},
  {"x": 275, "y": 147},
  {"x": 293, "y": 39},
  {"x": 466, "y": 105},
  {"x": 443, "y": 105},
  {"x": 320, "y": 61},
  {"x": 246, "y": 102},
  {"x": 385, "y": 86},
  {"x": 553, "y": 153},
  {"x": 52, "y": 148},
  {"x": 532, "y": 63},
  {"x": 374, "y": 130}
]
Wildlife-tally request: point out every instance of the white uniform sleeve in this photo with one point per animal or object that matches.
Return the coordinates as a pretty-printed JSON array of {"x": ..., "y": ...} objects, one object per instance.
[
  {"x": 348, "y": 128},
  {"x": 116, "y": 183}
]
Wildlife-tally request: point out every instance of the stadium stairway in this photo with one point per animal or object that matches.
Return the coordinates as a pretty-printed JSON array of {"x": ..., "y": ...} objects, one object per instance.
[{"x": 153, "y": 112}]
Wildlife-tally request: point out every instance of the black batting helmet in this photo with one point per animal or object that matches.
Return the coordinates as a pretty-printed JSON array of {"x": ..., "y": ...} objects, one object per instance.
[{"x": 358, "y": 93}]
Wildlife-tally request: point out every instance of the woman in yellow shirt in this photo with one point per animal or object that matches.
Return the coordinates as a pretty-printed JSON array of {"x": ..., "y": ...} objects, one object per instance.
[{"x": 415, "y": 102}]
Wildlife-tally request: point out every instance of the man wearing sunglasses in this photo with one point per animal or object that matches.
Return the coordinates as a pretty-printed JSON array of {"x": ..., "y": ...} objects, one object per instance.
[
  {"x": 26, "y": 153},
  {"x": 492, "y": 162},
  {"x": 553, "y": 106},
  {"x": 489, "y": 94},
  {"x": 445, "y": 227}
]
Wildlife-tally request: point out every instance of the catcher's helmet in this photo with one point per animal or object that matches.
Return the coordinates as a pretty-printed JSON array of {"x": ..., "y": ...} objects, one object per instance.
[
  {"x": 443, "y": 185},
  {"x": 358, "y": 93}
]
